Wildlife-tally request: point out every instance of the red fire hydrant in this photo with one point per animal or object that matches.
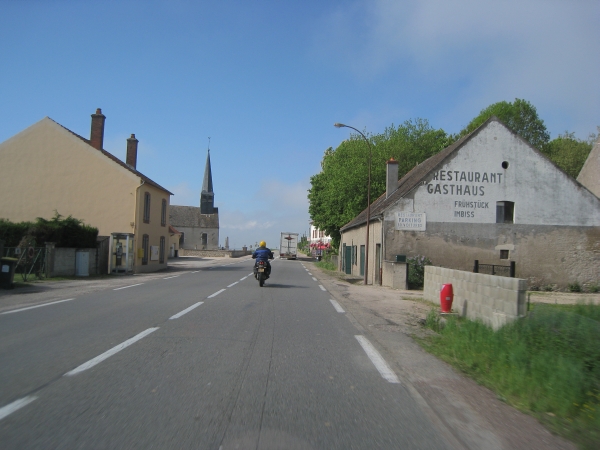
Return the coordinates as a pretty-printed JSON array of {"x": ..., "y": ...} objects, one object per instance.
[{"x": 446, "y": 297}]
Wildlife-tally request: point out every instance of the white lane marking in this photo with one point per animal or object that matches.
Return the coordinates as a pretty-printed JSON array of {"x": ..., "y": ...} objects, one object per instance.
[
  {"x": 309, "y": 273},
  {"x": 242, "y": 279},
  {"x": 233, "y": 284},
  {"x": 168, "y": 278},
  {"x": 386, "y": 372},
  {"x": 337, "y": 306},
  {"x": 37, "y": 306},
  {"x": 314, "y": 278},
  {"x": 98, "y": 359},
  {"x": 187, "y": 310},
  {"x": 127, "y": 287},
  {"x": 215, "y": 294},
  {"x": 250, "y": 274},
  {"x": 195, "y": 271},
  {"x": 322, "y": 288},
  {"x": 16, "y": 405}
]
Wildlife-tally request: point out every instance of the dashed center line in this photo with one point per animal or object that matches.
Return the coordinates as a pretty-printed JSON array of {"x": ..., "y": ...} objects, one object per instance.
[
  {"x": 16, "y": 405},
  {"x": 216, "y": 293},
  {"x": 185, "y": 311},
  {"x": 322, "y": 288},
  {"x": 98, "y": 359},
  {"x": 314, "y": 278},
  {"x": 127, "y": 287},
  {"x": 233, "y": 284},
  {"x": 168, "y": 278},
  {"x": 37, "y": 306}
]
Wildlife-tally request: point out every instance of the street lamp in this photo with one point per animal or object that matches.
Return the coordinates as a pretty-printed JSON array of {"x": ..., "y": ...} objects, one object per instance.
[{"x": 341, "y": 125}]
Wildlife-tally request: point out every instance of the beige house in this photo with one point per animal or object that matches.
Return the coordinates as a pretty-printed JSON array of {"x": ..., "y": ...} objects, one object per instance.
[{"x": 47, "y": 168}]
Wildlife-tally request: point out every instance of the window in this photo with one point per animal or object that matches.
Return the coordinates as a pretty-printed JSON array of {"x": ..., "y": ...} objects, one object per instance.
[
  {"x": 503, "y": 254},
  {"x": 163, "y": 213},
  {"x": 181, "y": 239},
  {"x": 146, "y": 207},
  {"x": 146, "y": 248},
  {"x": 505, "y": 212},
  {"x": 161, "y": 251}
]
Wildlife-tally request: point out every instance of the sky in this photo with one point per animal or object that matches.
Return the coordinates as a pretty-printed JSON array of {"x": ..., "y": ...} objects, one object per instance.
[{"x": 266, "y": 81}]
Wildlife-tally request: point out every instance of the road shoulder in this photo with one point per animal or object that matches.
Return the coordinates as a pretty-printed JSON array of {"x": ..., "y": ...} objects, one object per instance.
[{"x": 471, "y": 413}]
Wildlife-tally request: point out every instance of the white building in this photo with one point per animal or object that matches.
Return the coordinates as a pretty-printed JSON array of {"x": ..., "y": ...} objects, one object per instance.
[{"x": 490, "y": 197}]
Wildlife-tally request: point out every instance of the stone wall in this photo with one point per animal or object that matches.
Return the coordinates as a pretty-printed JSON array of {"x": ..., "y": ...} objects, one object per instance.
[
  {"x": 494, "y": 300},
  {"x": 214, "y": 253},
  {"x": 61, "y": 262},
  {"x": 544, "y": 254}
]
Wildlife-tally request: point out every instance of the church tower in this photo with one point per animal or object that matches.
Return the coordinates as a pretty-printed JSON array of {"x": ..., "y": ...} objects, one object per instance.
[{"x": 207, "y": 196}]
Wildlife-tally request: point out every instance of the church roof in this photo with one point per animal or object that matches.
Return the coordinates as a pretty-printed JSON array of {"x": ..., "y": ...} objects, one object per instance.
[
  {"x": 190, "y": 216},
  {"x": 207, "y": 184}
]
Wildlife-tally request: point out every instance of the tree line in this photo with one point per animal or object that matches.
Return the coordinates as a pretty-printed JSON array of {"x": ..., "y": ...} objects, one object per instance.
[{"x": 338, "y": 193}]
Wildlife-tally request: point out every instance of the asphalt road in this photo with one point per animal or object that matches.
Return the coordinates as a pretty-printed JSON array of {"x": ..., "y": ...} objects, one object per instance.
[{"x": 201, "y": 359}]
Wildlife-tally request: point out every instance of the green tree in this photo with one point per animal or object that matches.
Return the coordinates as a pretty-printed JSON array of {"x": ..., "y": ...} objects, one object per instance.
[
  {"x": 520, "y": 116},
  {"x": 339, "y": 192},
  {"x": 568, "y": 152}
]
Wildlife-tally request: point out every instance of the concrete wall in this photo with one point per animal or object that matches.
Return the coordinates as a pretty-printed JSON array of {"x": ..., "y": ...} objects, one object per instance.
[
  {"x": 214, "y": 253},
  {"x": 494, "y": 300},
  {"x": 395, "y": 275},
  {"x": 61, "y": 262},
  {"x": 544, "y": 255}
]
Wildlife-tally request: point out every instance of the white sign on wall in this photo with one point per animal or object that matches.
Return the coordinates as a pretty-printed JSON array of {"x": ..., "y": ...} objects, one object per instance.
[
  {"x": 154, "y": 253},
  {"x": 410, "y": 221}
]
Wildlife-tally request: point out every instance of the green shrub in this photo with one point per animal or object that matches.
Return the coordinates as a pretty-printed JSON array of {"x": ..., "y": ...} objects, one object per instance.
[
  {"x": 416, "y": 271},
  {"x": 574, "y": 287},
  {"x": 65, "y": 232},
  {"x": 593, "y": 288}
]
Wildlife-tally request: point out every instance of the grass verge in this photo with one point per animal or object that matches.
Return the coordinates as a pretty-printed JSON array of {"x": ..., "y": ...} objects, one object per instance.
[
  {"x": 326, "y": 265},
  {"x": 547, "y": 364}
]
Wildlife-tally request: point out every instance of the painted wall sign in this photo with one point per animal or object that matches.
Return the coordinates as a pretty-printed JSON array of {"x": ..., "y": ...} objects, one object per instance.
[{"x": 410, "y": 221}]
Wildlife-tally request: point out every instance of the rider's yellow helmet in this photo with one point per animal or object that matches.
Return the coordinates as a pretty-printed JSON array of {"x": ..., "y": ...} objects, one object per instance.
[{"x": 262, "y": 244}]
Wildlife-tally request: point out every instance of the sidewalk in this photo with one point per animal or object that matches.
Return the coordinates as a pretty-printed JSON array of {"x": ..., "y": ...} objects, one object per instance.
[{"x": 468, "y": 415}]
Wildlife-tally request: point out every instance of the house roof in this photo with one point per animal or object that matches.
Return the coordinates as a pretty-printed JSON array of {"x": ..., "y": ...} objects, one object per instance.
[
  {"x": 417, "y": 175},
  {"x": 117, "y": 160}
]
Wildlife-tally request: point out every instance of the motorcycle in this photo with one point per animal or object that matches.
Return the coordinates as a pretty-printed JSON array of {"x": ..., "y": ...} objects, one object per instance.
[{"x": 261, "y": 272}]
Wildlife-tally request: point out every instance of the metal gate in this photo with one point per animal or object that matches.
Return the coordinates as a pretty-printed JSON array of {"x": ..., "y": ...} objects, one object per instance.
[{"x": 31, "y": 261}]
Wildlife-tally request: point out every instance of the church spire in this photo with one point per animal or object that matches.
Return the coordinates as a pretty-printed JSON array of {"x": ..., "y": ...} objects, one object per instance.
[{"x": 207, "y": 196}]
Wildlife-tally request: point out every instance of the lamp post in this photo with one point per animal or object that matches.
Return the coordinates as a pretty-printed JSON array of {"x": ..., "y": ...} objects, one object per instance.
[{"x": 341, "y": 125}]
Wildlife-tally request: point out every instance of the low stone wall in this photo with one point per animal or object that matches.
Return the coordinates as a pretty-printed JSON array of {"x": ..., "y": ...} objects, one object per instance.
[
  {"x": 214, "y": 253},
  {"x": 494, "y": 300},
  {"x": 61, "y": 262}
]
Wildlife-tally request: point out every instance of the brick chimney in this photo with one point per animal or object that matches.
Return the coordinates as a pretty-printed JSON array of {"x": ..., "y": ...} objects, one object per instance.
[
  {"x": 391, "y": 180},
  {"x": 97, "y": 133},
  {"x": 132, "y": 144}
]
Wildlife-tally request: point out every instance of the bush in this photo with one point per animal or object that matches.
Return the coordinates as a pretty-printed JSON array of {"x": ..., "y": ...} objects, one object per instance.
[
  {"x": 574, "y": 287},
  {"x": 68, "y": 232},
  {"x": 416, "y": 271}
]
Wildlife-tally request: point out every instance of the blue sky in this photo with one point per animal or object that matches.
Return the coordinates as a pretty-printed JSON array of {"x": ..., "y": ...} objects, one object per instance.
[{"x": 266, "y": 80}]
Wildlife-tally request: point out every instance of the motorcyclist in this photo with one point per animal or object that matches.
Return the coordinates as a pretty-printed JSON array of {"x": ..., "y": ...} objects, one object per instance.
[{"x": 262, "y": 253}]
